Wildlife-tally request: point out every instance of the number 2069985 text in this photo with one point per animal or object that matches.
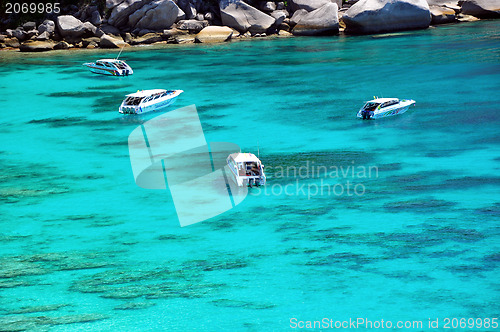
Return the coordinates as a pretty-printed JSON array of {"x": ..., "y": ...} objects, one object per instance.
[{"x": 32, "y": 8}]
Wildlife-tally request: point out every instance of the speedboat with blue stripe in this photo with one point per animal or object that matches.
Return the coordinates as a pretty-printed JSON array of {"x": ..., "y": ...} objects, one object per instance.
[
  {"x": 144, "y": 101},
  {"x": 384, "y": 107},
  {"x": 112, "y": 67}
]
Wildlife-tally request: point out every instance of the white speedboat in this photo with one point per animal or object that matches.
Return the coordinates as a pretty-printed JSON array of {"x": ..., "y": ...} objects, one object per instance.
[
  {"x": 384, "y": 107},
  {"x": 148, "y": 100},
  {"x": 246, "y": 169},
  {"x": 113, "y": 67}
]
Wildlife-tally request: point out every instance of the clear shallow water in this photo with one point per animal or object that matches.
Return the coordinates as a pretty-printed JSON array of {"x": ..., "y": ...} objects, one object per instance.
[{"x": 82, "y": 247}]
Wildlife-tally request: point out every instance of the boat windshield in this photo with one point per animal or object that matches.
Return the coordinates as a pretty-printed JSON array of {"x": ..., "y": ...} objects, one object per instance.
[
  {"x": 133, "y": 101},
  {"x": 120, "y": 65},
  {"x": 389, "y": 103},
  {"x": 155, "y": 96},
  {"x": 370, "y": 106},
  {"x": 105, "y": 64}
]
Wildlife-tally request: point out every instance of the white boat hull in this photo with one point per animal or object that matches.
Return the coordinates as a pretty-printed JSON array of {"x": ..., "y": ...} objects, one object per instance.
[
  {"x": 149, "y": 107},
  {"x": 108, "y": 71},
  {"x": 399, "y": 108}
]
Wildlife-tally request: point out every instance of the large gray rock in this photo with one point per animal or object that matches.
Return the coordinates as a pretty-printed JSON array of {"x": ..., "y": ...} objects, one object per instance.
[
  {"x": 481, "y": 8},
  {"x": 158, "y": 15},
  {"x": 120, "y": 13},
  {"x": 322, "y": 21},
  {"x": 442, "y": 15},
  {"x": 243, "y": 17},
  {"x": 193, "y": 26},
  {"x": 111, "y": 42},
  {"x": 374, "y": 16},
  {"x": 140, "y": 13},
  {"x": 29, "y": 26},
  {"x": 214, "y": 34},
  {"x": 308, "y": 5},
  {"x": 297, "y": 16},
  {"x": 70, "y": 27},
  {"x": 47, "y": 26},
  {"x": 36, "y": 46}
]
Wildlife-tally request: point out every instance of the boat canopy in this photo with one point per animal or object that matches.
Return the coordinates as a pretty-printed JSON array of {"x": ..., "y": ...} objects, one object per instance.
[
  {"x": 244, "y": 157},
  {"x": 146, "y": 93},
  {"x": 145, "y": 96},
  {"x": 389, "y": 103},
  {"x": 104, "y": 64},
  {"x": 133, "y": 101},
  {"x": 382, "y": 102},
  {"x": 112, "y": 63}
]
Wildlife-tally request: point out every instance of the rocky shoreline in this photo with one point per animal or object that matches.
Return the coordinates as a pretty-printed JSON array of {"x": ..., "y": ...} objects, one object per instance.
[{"x": 119, "y": 23}]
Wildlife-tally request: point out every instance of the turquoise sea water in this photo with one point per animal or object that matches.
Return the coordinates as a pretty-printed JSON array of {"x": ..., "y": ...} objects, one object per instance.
[{"x": 83, "y": 248}]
